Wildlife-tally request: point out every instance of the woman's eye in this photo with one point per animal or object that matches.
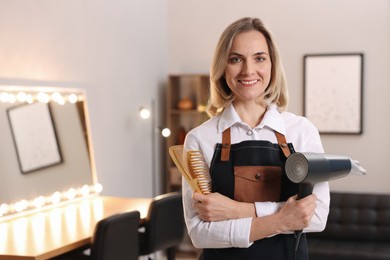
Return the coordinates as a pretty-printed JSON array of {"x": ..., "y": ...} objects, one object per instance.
[
  {"x": 260, "y": 59},
  {"x": 235, "y": 59}
]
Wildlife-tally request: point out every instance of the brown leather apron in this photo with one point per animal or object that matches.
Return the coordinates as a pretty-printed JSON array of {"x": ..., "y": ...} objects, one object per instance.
[{"x": 253, "y": 171}]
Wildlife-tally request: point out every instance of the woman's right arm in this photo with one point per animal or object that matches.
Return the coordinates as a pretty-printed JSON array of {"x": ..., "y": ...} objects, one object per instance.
[{"x": 213, "y": 234}]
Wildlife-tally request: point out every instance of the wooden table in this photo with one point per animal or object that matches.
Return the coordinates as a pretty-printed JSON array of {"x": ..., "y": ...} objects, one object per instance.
[{"x": 58, "y": 230}]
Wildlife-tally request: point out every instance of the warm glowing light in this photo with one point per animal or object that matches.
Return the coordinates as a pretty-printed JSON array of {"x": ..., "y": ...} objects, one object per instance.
[
  {"x": 20, "y": 205},
  {"x": 85, "y": 190},
  {"x": 70, "y": 194},
  {"x": 57, "y": 97},
  {"x": 19, "y": 235},
  {"x": 144, "y": 113},
  {"x": 38, "y": 228},
  {"x": 166, "y": 132},
  {"x": 21, "y": 96},
  {"x": 72, "y": 98},
  {"x": 4, "y": 97},
  {"x": 43, "y": 97},
  {"x": 11, "y": 98},
  {"x": 55, "y": 198},
  {"x": 3, "y": 209},
  {"x": 98, "y": 188},
  {"x": 29, "y": 99},
  {"x": 55, "y": 219},
  {"x": 39, "y": 202}
]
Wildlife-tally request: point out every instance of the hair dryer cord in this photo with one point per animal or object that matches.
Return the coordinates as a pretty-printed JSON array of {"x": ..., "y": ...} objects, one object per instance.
[{"x": 297, "y": 235}]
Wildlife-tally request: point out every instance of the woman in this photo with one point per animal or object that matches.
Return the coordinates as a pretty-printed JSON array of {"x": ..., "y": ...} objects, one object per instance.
[{"x": 252, "y": 211}]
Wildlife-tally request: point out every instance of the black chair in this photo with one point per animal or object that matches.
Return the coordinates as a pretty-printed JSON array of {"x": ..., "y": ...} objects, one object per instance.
[
  {"x": 115, "y": 237},
  {"x": 163, "y": 228}
]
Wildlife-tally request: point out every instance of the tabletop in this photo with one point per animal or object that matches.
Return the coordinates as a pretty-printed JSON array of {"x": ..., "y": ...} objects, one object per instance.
[{"x": 51, "y": 232}]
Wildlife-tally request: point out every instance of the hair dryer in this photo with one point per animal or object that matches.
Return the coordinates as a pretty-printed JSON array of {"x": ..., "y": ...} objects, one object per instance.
[{"x": 308, "y": 169}]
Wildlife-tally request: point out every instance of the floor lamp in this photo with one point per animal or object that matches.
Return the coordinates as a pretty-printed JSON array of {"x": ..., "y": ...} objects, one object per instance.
[{"x": 156, "y": 133}]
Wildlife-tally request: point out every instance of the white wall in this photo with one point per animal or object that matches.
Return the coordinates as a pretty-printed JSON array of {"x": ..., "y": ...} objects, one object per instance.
[
  {"x": 302, "y": 27},
  {"x": 116, "y": 50}
]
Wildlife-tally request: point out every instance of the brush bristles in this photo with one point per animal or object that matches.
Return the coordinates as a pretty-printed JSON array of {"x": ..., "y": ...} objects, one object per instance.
[{"x": 201, "y": 170}]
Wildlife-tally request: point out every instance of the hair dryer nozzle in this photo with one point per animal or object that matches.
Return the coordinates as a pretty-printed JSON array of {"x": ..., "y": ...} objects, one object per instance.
[{"x": 316, "y": 167}]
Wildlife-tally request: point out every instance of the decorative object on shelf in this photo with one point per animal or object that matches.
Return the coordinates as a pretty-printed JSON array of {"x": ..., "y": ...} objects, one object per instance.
[
  {"x": 186, "y": 97},
  {"x": 333, "y": 86},
  {"x": 185, "y": 104}
]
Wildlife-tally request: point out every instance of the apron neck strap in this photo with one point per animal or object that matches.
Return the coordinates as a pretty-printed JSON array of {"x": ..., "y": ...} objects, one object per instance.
[
  {"x": 226, "y": 144},
  {"x": 283, "y": 144},
  {"x": 225, "y": 153}
]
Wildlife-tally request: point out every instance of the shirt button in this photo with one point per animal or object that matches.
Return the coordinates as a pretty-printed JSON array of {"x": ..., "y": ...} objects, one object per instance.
[{"x": 249, "y": 132}]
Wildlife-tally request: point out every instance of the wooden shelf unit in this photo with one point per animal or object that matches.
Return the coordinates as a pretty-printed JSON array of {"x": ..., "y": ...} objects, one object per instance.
[{"x": 180, "y": 121}]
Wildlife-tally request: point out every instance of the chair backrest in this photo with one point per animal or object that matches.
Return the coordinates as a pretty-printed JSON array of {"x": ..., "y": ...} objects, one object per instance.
[
  {"x": 116, "y": 237},
  {"x": 164, "y": 225}
]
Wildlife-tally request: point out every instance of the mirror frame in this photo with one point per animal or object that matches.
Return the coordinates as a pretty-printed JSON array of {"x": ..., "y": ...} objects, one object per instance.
[{"x": 20, "y": 95}]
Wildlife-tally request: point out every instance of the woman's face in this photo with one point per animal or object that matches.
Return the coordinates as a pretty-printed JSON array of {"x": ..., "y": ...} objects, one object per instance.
[{"x": 248, "y": 70}]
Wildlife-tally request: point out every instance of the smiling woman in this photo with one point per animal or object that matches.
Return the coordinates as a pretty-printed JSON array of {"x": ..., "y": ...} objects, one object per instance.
[{"x": 67, "y": 169}]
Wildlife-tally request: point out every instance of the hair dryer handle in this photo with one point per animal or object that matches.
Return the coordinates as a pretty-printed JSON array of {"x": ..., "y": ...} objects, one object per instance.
[{"x": 305, "y": 189}]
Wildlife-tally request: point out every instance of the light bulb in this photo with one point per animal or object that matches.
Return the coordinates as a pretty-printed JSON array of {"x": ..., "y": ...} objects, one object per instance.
[
  {"x": 72, "y": 98},
  {"x": 70, "y": 194},
  {"x": 98, "y": 187},
  {"x": 43, "y": 97},
  {"x": 144, "y": 113},
  {"x": 29, "y": 99},
  {"x": 4, "y": 97},
  {"x": 20, "y": 205},
  {"x": 3, "y": 209},
  {"x": 85, "y": 190},
  {"x": 57, "y": 97},
  {"x": 166, "y": 132},
  {"x": 21, "y": 96},
  {"x": 55, "y": 198},
  {"x": 11, "y": 98},
  {"x": 39, "y": 201}
]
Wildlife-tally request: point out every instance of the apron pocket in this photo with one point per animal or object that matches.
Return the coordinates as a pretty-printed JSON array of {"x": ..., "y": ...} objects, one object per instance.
[{"x": 257, "y": 183}]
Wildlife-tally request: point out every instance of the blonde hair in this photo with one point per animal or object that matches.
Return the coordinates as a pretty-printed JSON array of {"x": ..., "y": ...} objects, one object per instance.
[{"x": 220, "y": 93}]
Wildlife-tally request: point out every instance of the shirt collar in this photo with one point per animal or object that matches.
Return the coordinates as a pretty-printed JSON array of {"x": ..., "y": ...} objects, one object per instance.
[{"x": 272, "y": 119}]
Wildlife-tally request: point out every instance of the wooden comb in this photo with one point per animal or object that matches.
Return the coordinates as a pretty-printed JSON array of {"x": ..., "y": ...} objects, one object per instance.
[{"x": 192, "y": 167}]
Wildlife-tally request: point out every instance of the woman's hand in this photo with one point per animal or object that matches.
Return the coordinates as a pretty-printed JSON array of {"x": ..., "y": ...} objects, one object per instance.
[
  {"x": 296, "y": 214},
  {"x": 217, "y": 207}
]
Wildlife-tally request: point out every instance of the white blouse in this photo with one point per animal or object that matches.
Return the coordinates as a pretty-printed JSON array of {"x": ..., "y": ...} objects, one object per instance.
[{"x": 235, "y": 233}]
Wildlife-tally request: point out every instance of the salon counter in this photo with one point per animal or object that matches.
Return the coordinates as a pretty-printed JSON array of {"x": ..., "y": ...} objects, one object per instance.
[{"x": 55, "y": 231}]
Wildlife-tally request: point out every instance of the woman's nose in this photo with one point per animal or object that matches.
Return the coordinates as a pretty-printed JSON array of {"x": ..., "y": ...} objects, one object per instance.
[{"x": 248, "y": 68}]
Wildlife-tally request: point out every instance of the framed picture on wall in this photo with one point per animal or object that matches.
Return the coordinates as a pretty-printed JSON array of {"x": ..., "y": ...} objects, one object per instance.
[
  {"x": 333, "y": 86},
  {"x": 34, "y": 136}
]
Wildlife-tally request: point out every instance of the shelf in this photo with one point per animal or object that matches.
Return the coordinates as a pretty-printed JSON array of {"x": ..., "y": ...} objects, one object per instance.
[{"x": 194, "y": 88}]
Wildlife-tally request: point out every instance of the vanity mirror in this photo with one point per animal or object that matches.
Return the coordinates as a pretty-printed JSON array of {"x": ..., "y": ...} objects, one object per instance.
[{"x": 46, "y": 154}]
